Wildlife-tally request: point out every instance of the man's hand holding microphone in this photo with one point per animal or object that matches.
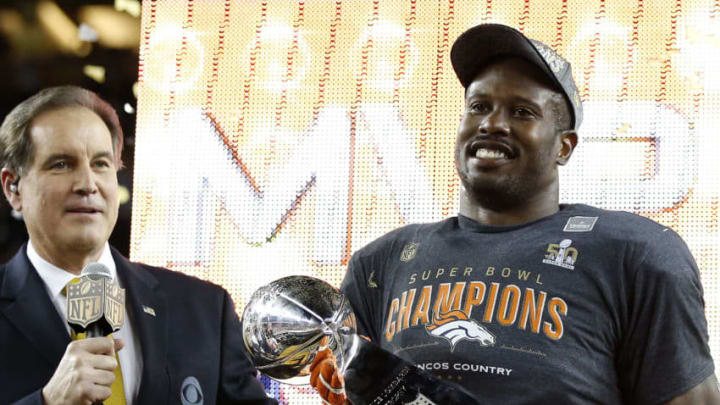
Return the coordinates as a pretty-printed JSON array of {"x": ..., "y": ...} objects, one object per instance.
[
  {"x": 85, "y": 372},
  {"x": 95, "y": 306}
]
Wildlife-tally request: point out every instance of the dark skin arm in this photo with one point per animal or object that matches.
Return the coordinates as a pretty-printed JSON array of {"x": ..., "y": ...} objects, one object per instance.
[{"x": 705, "y": 393}]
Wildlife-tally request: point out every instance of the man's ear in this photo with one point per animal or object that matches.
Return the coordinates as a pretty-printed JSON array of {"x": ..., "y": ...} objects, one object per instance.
[
  {"x": 568, "y": 142},
  {"x": 11, "y": 187}
]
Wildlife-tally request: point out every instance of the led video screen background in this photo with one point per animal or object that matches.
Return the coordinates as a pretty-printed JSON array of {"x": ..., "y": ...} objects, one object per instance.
[{"x": 278, "y": 137}]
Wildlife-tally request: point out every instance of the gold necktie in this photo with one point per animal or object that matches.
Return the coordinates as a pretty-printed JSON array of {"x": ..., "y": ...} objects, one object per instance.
[{"x": 118, "y": 390}]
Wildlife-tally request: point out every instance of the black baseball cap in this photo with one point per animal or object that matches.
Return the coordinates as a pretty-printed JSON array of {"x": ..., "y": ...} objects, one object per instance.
[{"x": 475, "y": 47}]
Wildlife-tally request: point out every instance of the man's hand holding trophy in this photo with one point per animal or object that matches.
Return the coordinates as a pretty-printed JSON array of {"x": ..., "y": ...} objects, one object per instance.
[
  {"x": 326, "y": 378},
  {"x": 301, "y": 330}
]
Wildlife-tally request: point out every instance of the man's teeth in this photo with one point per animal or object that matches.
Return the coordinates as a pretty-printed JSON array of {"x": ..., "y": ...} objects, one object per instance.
[{"x": 489, "y": 154}]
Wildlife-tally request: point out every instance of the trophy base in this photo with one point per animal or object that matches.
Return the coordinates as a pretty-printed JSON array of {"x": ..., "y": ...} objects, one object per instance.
[{"x": 374, "y": 376}]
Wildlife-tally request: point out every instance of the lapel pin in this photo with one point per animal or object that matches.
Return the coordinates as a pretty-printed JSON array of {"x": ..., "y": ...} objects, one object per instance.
[
  {"x": 191, "y": 393},
  {"x": 148, "y": 310}
]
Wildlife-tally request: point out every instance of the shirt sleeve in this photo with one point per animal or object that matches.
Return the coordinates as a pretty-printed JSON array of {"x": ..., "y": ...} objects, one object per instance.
[
  {"x": 35, "y": 398},
  {"x": 664, "y": 348},
  {"x": 362, "y": 301}
]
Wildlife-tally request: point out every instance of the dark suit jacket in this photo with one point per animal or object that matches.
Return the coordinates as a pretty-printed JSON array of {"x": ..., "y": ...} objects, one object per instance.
[{"x": 195, "y": 332}]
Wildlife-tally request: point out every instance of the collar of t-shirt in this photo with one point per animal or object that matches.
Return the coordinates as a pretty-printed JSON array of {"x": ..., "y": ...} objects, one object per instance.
[
  {"x": 472, "y": 225},
  {"x": 55, "y": 279}
]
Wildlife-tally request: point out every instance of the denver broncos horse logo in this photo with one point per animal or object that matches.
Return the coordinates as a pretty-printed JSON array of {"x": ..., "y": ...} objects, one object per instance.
[{"x": 455, "y": 326}]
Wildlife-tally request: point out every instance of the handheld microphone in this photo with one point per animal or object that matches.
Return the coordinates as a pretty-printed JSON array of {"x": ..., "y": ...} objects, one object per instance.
[{"x": 95, "y": 304}]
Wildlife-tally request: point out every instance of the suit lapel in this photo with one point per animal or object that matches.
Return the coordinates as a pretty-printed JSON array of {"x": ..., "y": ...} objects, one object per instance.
[
  {"x": 141, "y": 295},
  {"x": 25, "y": 302}
]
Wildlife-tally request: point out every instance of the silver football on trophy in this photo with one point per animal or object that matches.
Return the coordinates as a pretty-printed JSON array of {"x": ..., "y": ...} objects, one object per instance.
[{"x": 284, "y": 324}]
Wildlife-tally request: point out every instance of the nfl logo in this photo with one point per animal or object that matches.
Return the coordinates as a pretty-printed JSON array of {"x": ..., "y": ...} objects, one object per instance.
[{"x": 408, "y": 252}]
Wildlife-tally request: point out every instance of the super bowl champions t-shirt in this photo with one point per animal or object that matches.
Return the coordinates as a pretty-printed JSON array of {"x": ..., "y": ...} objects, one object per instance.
[{"x": 583, "y": 306}]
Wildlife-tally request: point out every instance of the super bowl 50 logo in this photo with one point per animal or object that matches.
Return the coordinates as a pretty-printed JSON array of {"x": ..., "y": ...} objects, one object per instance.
[{"x": 561, "y": 254}]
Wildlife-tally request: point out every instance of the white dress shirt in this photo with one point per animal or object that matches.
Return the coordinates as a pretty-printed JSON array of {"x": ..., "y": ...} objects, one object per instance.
[{"x": 56, "y": 279}]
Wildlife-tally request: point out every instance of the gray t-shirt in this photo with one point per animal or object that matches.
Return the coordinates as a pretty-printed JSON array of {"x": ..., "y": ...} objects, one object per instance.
[{"x": 583, "y": 306}]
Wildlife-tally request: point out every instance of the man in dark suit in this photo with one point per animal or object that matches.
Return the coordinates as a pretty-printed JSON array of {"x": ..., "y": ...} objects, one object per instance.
[{"x": 181, "y": 342}]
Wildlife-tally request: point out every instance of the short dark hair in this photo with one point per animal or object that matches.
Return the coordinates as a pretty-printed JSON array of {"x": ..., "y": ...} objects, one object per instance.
[
  {"x": 16, "y": 149},
  {"x": 561, "y": 109}
]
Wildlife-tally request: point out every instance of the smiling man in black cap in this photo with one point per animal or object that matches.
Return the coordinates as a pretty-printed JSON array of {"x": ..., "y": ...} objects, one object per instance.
[{"x": 519, "y": 298}]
